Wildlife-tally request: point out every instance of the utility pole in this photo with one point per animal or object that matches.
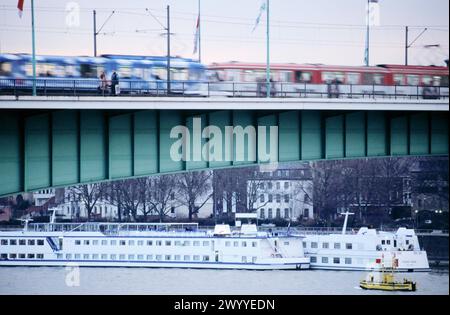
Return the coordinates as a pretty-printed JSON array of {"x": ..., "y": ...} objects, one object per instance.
[
  {"x": 368, "y": 35},
  {"x": 268, "y": 53},
  {"x": 95, "y": 33},
  {"x": 168, "y": 50},
  {"x": 98, "y": 32},
  {"x": 33, "y": 43},
  {"x": 407, "y": 45},
  {"x": 199, "y": 34}
]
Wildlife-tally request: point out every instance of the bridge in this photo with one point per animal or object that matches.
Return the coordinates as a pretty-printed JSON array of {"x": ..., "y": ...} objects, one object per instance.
[{"x": 60, "y": 141}]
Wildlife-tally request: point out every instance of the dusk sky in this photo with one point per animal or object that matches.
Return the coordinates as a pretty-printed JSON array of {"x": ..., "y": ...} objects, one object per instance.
[{"x": 303, "y": 31}]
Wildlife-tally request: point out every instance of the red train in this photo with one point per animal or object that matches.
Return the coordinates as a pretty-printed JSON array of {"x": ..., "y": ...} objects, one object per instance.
[{"x": 388, "y": 75}]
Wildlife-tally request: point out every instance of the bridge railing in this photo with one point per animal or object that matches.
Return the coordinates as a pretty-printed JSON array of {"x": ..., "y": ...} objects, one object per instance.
[{"x": 94, "y": 87}]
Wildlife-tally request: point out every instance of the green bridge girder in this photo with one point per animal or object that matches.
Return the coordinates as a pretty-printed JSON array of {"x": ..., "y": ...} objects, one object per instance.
[{"x": 42, "y": 148}]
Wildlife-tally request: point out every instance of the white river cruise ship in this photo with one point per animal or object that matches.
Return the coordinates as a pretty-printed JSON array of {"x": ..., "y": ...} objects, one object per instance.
[
  {"x": 366, "y": 249},
  {"x": 150, "y": 245}
]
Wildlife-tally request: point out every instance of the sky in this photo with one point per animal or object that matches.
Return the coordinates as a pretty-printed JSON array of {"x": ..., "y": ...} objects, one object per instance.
[{"x": 302, "y": 31}]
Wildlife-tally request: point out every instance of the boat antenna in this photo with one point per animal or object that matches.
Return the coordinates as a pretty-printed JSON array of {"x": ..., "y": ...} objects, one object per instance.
[
  {"x": 53, "y": 217},
  {"x": 344, "y": 228},
  {"x": 25, "y": 228}
]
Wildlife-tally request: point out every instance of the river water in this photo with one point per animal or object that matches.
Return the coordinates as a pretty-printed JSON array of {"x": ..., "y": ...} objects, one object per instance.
[{"x": 62, "y": 280}]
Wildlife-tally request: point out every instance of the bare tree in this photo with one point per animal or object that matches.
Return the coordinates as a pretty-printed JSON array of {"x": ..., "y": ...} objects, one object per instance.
[
  {"x": 161, "y": 195},
  {"x": 89, "y": 194},
  {"x": 194, "y": 190}
]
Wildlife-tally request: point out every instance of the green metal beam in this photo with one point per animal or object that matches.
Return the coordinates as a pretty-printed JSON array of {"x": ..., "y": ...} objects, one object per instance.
[{"x": 41, "y": 149}]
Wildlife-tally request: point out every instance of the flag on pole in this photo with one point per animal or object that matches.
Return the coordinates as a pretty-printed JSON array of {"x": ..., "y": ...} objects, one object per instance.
[
  {"x": 197, "y": 34},
  {"x": 20, "y": 7},
  {"x": 262, "y": 8},
  {"x": 373, "y": 13}
]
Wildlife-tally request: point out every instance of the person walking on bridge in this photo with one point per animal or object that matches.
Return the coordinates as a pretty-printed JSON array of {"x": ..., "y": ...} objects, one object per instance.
[{"x": 115, "y": 84}]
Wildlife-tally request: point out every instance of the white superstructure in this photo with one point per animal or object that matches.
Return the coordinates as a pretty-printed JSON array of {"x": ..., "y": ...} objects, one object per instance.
[
  {"x": 365, "y": 249},
  {"x": 150, "y": 245}
]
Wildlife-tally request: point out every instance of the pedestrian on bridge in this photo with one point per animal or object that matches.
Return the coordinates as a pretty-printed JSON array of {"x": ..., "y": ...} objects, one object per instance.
[{"x": 115, "y": 89}]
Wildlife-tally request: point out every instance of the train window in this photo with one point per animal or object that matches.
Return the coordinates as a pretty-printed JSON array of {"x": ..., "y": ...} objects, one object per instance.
[
  {"x": 399, "y": 79},
  {"x": 427, "y": 80},
  {"x": 373, "y": 78},
  {"x": 70, "y": 71},
  {"x": 179, "y": 74},
  {"x": 159, "y": 73},
  {"x": 284, "y": 76},
  {"x": 233, "y": 75},
  {"x": 330, "y": 76},
  {"x": 444, "y": 80},
  {"x": 303, "y": 76},
  {"x": 412, "y": 79},
  {"x": 124, "y": 73},
  {"x": 253, "y": 76},
  {"x": 353, "y": 78},
  {"x": 195, "y": 74},
  {"x": 5, "y": 68},
  {"x": 88, "y": 71},
  {"x": 138, "y": 73}
]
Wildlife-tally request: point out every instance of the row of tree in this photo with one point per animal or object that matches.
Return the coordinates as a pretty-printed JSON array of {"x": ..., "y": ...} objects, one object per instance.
[{"x": 148, "y": 195}]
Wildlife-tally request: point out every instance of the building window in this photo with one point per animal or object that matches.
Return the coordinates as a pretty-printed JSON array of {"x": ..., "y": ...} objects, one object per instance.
[
  {"x": 324, "y": 260},
  {"x": 269, "y": 216},
  {"x": 304, "y": 244},
  {"x": 270, "y": 198},
  {"x": 383, "y": 242},
  {"x": 278, "y": 185},
  {"x": 313, "y": 259},
  {"x": 286, "y": 198},
  {"x": 278, "y": 196},
  {"x": 286, "y": 213},
  {"x": 325, "y": 245},
  {"x": 336, "y": 260},
  {"x": 278, "y": 213},
  {"x": 348, "y": 261},
  {"x": 269, "y": 186},
  {"x": 262, "y": 214},
  {"x": 172, "y": 210},
  {"x": 337, "y": 245},
  {"x": 348, "y": 246},
  {"x": 261, "y": 198},
  {"x": 286, "y": 185}
]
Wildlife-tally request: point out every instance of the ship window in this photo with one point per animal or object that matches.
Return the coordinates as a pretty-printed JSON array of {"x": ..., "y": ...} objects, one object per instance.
[
  {"x": 22, "y": 242},
  {"x": 348, "y": 246},
  {"x": 235, "y": 244},
  {"x": 186, "y": 257},
  {"x": 337, "y": 245},
  {"x": 68, "y": 256},
  {"x": 383, "y": 242},
  {"x": 325, "y": 245},
  {"x": 168, "y": 243},
  {"x": 348, "y": 261},
  {"x": 77, "y": 256},
  {"x": 4, "y": 242},
  {"x": 313, "y": 244},
  {"x": 40, "y": 256},
  {"x": 158, "y": 257},
  {"x": 59, "y": 256},
  {"x": 286, "y": 243},
  {"x": 187, "y": 243},
  {"x": 177, "y": 257},
  {"x": 206, "y": 258},
  {"x": 196, "y": 257},
  {"x": 77, "y": 242},
  {"x": 95, "y": 256},
  {"x": 130, "y": 243},
  {"x": 131, "y": 257},
  {"x": 31, "y": 242},
  {"x": 4, "y": 256},
  {"x": 336, "y": 260},
  {"x": 196, "y": 243},
  {"x": 113, "y": 243},
  {"x": 244, "y": 244},
  {"x": 86, "y": 256},
  {"x": 324, "y": 260},
  {"x": 304, "y": 244},
  {"x": 104, "y": 242},
  {"x": 227, "y": 244},
  {"x": 149, "y": 243},
  {"x": 12, "y": 256},
  {"x": 121, "y": 257},
  {"x": 113, "y": 256},
  {"x": 86, "y": 242},
  {"x": 158, "y": 243},
  {"x": 205, "y": 243},
  {"x": 244, "y": 259},
  {"x": 388, "y": 242},
  {"x": 313, "y": 259},
  {"x": 140, "y": 257},
  {"x": 254, "y": 259},
  {"x": 21, "y": 255},
  {"x": 254, "y": 244},
  {"x": 177, "y": 243},
  {"x": 149, "y": 257},
  {"x": 407, "y": 242},
  {"x": 104, "y": 256},
  {"x": 12, "y": 242}
]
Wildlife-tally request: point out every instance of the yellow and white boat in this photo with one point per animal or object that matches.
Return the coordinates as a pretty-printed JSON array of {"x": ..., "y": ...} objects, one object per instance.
[{"x": 384, "y": 280}]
